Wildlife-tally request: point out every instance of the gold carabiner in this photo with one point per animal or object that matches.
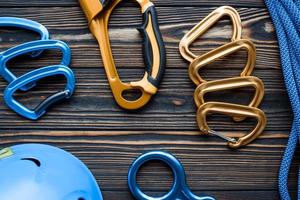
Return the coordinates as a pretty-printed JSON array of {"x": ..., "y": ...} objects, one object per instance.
[
  {"x": 153, "y": 51},
  {"x": 221, "y": 52},
  {"x": 207, "y": 23},
  {"x": 231, "y": 83},
  {"x": 237, "y": 112},
  {"x": 231, "y": 110}
]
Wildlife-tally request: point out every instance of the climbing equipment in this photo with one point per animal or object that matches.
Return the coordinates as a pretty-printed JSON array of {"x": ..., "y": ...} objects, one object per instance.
[
  {"x": 34, "y": 76},
  {"x": 36, "y": 171},
  {"x": 27, "y": 81},
  {"x": 98, "y": 14},
  {"x": 237, "y": 112},
  {"x": 28, "y": 25},
  {"x": 285, "y": 16},
  {"x": 179, "y": 190},
  {"x": 29, "y": 47}
]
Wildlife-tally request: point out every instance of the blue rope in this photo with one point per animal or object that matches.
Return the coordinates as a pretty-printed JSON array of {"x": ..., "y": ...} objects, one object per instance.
[{"x": 286, "y": 18}]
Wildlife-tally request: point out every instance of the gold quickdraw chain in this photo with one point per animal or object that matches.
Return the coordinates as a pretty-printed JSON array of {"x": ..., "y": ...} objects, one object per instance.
[{"x": 237, "y": 112}]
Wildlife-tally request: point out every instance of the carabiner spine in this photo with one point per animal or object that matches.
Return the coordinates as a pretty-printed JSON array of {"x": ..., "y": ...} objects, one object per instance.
[{"x": 207, "y": 23}]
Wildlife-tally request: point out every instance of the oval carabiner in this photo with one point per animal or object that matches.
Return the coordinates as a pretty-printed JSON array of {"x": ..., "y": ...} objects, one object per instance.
[
  {"x": 153, "y": 50},
  {"x": 26, "y": 24},
  {"x": 206, "y": 24},
  {"x": 231, "y": 110},
  {"x": 221, "y": 52},
  {"x": 231, "y": 83},
  {"x": 34, "y": 76}
]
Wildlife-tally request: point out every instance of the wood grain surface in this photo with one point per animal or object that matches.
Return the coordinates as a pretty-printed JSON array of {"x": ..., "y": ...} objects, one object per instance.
[{"x": 107, "y": 138}]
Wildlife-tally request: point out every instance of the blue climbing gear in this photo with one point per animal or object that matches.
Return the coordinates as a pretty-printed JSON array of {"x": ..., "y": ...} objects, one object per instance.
[
  {"x": 179, "y": 190},
  {"x": 34, "y": 76},
  {"x": 28, "y": 80},
  {"x": 28, "y": 25},
  {"x": 36, "y": 171},
  {"x": 286, "y": 17},
  {"x": 29, "y": 47}
]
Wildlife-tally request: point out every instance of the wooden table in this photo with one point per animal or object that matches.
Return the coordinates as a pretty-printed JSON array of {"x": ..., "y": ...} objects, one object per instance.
[{"x": 107, "y": 138}]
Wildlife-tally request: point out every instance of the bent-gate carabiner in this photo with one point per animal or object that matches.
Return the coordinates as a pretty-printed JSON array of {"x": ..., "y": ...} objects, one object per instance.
[
  {"x": 154, "y": 50},
  {"x": 207, "y": 23},
  {"x": 34, "y": 76},
  {"x": 28, "y": 25},
  {"x": 231, "y": 110}
]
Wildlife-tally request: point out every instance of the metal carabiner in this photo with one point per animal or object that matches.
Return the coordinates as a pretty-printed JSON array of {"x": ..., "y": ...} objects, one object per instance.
[
  {"x": 34, "y": 46},
  {"x": 29, "y": 79},
  {"x": 34, "y": 76},
  {"x": 207, "y": 23},
  {"x": 238, "y": 112},
  {"x": 221, "y": 52},
  {"x": 154, "y": 50},
  {"x": 231, "y": 110},
  {"x": 231, "y": 83},
  {"x": 28, "y": 25}
]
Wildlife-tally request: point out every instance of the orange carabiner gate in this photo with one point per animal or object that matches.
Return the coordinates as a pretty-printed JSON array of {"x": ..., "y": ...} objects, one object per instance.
[{"x": 154, "y": 51}]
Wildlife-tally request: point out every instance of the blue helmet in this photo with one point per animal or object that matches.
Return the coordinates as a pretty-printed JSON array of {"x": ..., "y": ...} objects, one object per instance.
[{"x": 35, "y": 172}]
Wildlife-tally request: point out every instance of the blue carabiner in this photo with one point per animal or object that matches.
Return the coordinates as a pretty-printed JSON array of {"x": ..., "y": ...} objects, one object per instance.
[
  {"x": 179, "y": 190},
  {"x": 28, "y": 25},
  {"x": 28, "y": 47},
  {"x": 34, "y": 76}
]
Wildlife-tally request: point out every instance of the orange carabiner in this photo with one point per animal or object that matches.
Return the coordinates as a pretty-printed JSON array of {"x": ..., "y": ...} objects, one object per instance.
[
  {"x": 154, "y": 51},
  {"x": 206, "y": 24},
  {"x": 231, "y": 83},
  {"x": 238, "y": 112},
  {"x": 221, "y": 52},
  {"x": 231, "y": 110}
]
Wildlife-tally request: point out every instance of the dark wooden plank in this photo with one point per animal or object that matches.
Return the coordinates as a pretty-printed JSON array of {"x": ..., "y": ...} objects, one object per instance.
[
  {"x": 166, "y": 3},
  {"x": 108, "y": 138}
]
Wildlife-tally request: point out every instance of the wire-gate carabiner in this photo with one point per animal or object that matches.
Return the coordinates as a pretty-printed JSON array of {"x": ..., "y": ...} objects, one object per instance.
[
  {"x": 231, "y": 110},
  {"x": 237, "y": 112},
  {"x": 98, "y": 15}
]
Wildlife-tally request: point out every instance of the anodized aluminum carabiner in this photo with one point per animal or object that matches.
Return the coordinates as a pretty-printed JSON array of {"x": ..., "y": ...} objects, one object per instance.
[
  {"x": 35, "y": 76},
  {"x": 238, "y": 112},
  {"x": 154, "y": 51},
  {"x": 231, "y": 83},
  {"x": 34, "y": 46},
  {"x": 221, "y": 52},
  {"x": 207, "y": 23},
  {"x": 28, "y": 25},
  {"x": 231, "y": 110}
]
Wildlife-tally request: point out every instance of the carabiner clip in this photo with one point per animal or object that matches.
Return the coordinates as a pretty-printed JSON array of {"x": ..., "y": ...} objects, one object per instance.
[
  {"x": 34, "y": 76},
  {"x": 221, "y": 52},
  {"x": 231, "y": 110},
  {"x": 231, "y": 83},
  {"x": 35, "y": 46},
  {"x": 206, "y": 24},
  {"x": 28, "y": 25},
  {"x": 154, "y": 50}
]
